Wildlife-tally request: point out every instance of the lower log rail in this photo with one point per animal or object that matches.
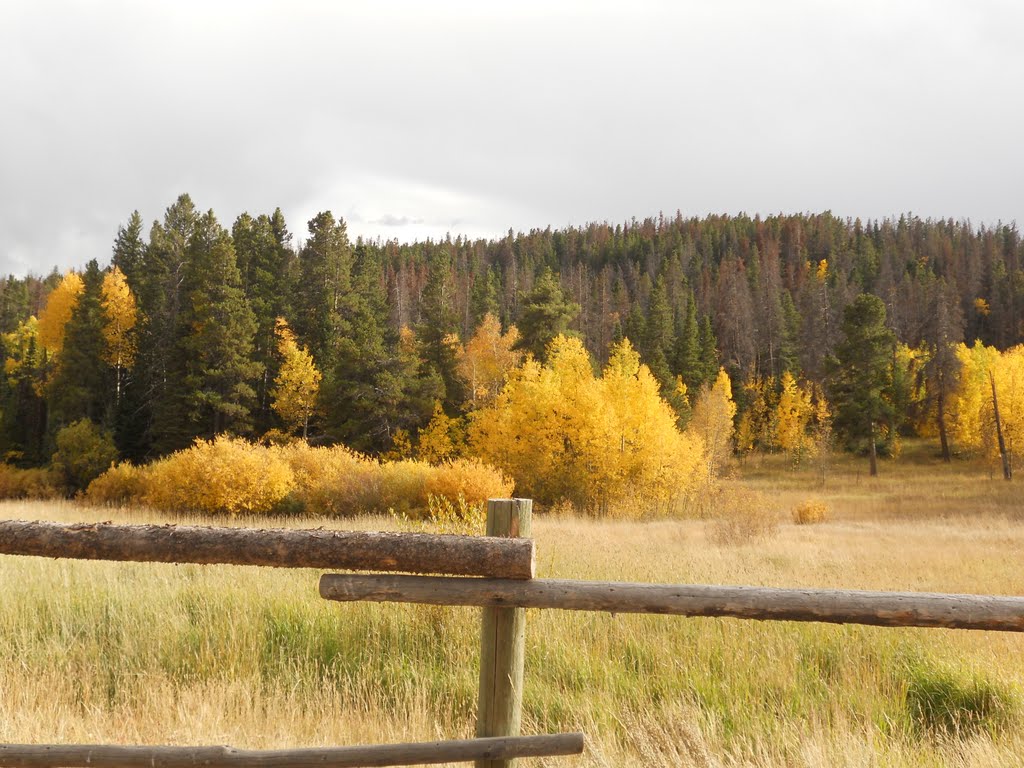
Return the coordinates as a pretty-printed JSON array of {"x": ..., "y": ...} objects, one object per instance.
[
  {"x": 422, "y": 753},
  {"x": 885, "y": 609}
]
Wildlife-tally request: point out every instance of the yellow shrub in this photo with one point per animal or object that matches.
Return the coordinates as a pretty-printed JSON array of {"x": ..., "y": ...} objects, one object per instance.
[
  {"x": 332, "y": 481},
  {"x": 232, "y": 476},
  {"x": 27, "y": 483},
  {"x": 810, "y": 512},
  {"x": 122, "y": 484},
  {"x": 470, "y": 479},
  {"x": 224, "y": 475}
]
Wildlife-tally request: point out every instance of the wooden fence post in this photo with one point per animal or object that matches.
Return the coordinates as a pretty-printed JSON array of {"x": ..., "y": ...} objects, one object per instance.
[{"x": 502, "y": 641}]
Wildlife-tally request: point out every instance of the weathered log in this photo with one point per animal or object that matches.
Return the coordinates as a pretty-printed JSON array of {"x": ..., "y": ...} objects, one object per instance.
[
  {"x": 106, "y": 756},
  {"x": 278, "y": 547},
  {"x": 885, "y": 609}
]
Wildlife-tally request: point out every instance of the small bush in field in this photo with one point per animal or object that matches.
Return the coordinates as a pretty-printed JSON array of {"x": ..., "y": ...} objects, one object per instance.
[
  {"x": 84, "y": 452},
  {"x": 743, "y": 516},
  {"x": 18, "y": 483},
  {"x": 120, "y": 485},
  {"x": 810, "y": 512},
  {"x": 224, "y": 475}
]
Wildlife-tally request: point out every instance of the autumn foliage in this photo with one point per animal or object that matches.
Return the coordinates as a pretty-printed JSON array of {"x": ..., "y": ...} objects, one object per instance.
[
  {"x": 232, "y": 476},
  {"x": 563, "y": 433}
]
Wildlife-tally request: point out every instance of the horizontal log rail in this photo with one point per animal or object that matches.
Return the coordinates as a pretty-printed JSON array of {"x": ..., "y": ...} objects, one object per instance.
[
  {"x": 279, "y": 547},
  {"x": 422, "y": 753},
  {"x": 885, "y": 609}
]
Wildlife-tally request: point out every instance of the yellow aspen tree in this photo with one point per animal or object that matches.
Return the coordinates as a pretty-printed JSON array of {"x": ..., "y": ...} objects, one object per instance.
[
  {"x": 712, "y": 421},
  {"x": 441, "y": 438},
  {"x": 297, "y": 384},
  {"x": 652, "y": 459},
  {"x": 1008, "y": 378},
  {"x": 487, "y": 359},
  {"x": 60, "y": 304},
  {"x": 971, "y": 425},
  {"x": 120, "y": 317},
  {"x": 793, "y": 413}
]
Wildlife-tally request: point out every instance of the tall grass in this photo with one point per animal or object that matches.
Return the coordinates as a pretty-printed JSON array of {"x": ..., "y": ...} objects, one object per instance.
[{"x": 222, "y": 654}]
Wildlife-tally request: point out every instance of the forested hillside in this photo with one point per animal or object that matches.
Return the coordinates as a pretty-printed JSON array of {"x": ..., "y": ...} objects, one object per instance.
[{"x": 197, "y": 328}]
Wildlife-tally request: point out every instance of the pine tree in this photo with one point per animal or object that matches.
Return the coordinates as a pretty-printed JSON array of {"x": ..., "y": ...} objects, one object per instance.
[
  {"x": 264, "y": 261},
  {"x": 708, "y": 350},
  {"x": 130, "y": 250},
  {"x": 217, "y": 335},
  {"x": 545, "y": 312},
  {"x": 484, "y": 299},
  {"x": 81, "y": 385},
  {"x": 380, "y": 385},
  {"x": 323, "y": 282},
  {"x": 860, "y": 376},
  {"x": 437, "y": 330}
]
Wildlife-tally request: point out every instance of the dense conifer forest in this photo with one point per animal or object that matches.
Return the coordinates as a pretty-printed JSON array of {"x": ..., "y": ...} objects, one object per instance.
[{"x": 184, "y": 329}]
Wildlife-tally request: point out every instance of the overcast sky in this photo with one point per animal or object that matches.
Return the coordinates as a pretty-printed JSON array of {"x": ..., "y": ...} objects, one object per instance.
[{"x": 416, "y": 119}]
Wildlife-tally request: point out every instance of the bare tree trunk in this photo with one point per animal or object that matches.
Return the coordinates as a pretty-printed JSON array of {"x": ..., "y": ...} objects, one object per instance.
[
  {"x": 1007, "y": 470},
  {"x": 941, "y": 418},
  {"x": 874, "y": 453}
]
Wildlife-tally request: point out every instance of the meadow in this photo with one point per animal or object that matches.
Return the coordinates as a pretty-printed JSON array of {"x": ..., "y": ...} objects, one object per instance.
[{"x": 149, "y": 653}]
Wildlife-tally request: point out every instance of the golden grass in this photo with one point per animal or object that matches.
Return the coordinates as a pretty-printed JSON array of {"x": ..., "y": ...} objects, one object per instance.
[{"x": 150, "y": 653}]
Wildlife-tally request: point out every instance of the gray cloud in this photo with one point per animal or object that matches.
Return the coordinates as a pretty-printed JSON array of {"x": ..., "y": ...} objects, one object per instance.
[{"x": 416, "y": 120}]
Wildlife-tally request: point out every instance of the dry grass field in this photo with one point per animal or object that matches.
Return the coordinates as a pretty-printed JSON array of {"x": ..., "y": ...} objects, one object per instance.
[{"x": 136, "y": 653}]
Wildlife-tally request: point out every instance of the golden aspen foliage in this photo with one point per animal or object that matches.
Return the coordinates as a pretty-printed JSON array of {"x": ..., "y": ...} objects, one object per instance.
[
  {"x": 970, "y": 417},
  {"x": 563, "y": 434},
  {"x": 121, "y": 315},
  {"x": 222, "y": 476},
  {"x": 60, "y": 304},
  {"x": 442, "y": 438},
  {"x": 794, "y": 413},
  {"x": 758, "y": 425},
  {"x": 487, "y": 359},
  {"x": 981, "y": 306},
  {"x": 231, "y": 476},
  {"x": 822, "y": 272},
  {"x": 24, "y": 353},
  {"x": 297, "y": 384},
  {"x": 712, "y": 422},
  {"x": 654, "y": 459}
]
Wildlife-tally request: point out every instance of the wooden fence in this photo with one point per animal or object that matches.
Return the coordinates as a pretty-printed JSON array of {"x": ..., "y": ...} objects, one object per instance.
[{"x": 494, "y": 572}]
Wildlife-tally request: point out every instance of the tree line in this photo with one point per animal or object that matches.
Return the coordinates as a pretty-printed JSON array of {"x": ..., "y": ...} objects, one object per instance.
[{"x": 195, "y": 329}]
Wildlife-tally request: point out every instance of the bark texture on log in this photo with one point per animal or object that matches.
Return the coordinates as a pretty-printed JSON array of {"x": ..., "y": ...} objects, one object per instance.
[
  {"x": 885, "y": 609},
  {"x": 107, "y": 756},
  {"x": 277, "y": 547}
]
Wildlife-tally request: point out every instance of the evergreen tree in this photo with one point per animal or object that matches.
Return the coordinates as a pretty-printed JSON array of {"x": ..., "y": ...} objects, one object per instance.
[
  {"x": 130, "y": 250},
  {"x": 379, "y": 385},
  {"x": 484, "y": 298},
  {"x": 545, "y": 313},
  {"x": 218, "y": 327},
  {"x": 154, "y": 417},
  {"x": 708, "y": 350},
  {"x": 437, "y": 330},
  {"x": 688, "y": 362},
  {"x": 322, "y": 285},
  {"x": 263, "y": 261},
  {"x": 860, "y": 375},
  {"x": 81, "y": 387}
]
